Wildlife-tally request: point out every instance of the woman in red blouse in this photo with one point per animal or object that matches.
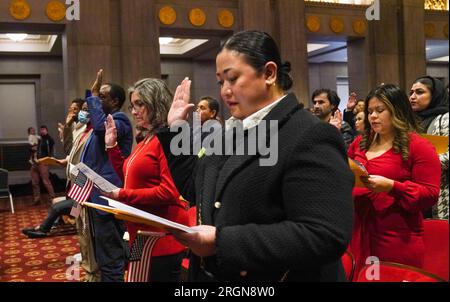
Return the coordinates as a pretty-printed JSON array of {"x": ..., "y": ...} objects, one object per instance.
[
  {"x": 404, "y": 180},
  {"x": 148, "y": 184}
]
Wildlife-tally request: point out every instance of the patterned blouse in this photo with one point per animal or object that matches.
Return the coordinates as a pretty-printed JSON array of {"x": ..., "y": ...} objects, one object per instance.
[{"x": 439, "y": 126}]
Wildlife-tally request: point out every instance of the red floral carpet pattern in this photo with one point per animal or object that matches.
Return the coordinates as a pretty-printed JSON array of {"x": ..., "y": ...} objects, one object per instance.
[{"x": 35, "y": 260}]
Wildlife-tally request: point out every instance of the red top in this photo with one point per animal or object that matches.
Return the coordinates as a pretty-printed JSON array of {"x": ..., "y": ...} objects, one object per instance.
[
  {"x": 148, "y": 186},
  {"x": 390, "y": 225}
]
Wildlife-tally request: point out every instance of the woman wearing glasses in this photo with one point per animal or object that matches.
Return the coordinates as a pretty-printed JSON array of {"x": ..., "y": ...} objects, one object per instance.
[{"x": 148, "y": 184}]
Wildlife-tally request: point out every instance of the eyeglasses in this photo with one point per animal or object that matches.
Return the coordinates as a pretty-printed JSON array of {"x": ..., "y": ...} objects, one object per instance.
[{"x": 136, "y": 106}]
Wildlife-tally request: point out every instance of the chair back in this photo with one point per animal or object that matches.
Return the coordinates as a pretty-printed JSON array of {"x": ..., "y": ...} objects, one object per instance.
[
  {"x": 4, "y": 186},
  {"x": 348, "y": 261},
  {"x": 436, "y": 247},
  {"x": 395, "y": 272}
]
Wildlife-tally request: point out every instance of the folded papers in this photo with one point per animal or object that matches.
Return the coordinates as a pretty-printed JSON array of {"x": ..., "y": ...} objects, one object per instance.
[
  {"x": 50, "y": 161},
  {"x": 359, "y": 170},
  {"x": 125, "y": 212}
]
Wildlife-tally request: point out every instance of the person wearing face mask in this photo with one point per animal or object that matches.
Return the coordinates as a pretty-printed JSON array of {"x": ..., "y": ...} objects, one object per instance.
[
  {"x": 148, "y": 184},
  {"x": 64, "y": 207},
  {"x": 429, "y": 101}
]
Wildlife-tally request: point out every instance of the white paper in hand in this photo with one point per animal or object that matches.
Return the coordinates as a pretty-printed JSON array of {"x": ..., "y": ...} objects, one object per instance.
[
  {"x": 99, "y": 181},
  {"x": 145, "y": 215}
]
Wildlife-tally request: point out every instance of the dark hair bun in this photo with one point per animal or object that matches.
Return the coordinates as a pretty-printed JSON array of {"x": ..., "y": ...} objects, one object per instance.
[
  {"x": 285, "y": 79},
  {"x": 286, "y": 67}
]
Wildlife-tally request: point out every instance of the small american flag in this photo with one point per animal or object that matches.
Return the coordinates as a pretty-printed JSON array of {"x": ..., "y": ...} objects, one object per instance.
[
  {"x": 81, "y": 188},
  {"x": 137, "y": 247}
]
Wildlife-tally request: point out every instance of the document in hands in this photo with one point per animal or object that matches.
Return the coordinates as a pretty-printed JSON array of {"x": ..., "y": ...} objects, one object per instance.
[
  {"x": 98, "y": 181},
  {"x": 359, "y": 170},
  {"x": 128, "y": 213}
]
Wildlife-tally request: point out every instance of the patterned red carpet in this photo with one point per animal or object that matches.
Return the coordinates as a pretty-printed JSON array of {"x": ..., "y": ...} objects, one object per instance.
[{"x": 35, "y": 260}]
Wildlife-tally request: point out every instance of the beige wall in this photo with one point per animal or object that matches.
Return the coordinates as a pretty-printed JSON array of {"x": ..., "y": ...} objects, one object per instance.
[
  {"x": 202, "y": 73},
  {"x": 47, "y": 73},
  {"x": 439, "y": 70}
]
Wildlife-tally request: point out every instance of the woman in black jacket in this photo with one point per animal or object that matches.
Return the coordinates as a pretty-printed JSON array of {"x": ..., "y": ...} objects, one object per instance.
[{"x": 287, "y": 217}]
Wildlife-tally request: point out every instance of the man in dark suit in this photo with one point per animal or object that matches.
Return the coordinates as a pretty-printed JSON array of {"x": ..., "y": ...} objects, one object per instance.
[{"x": 108, "y": 232}]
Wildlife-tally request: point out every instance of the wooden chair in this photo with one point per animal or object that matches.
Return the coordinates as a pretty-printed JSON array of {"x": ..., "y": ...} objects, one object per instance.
[{"x": 4, "y": 187}]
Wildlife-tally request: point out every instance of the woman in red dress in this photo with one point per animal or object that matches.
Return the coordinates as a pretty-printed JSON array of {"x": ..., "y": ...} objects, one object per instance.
[
  {"x": 404, "y": 180},
  {"x": 148, "y": 185}
]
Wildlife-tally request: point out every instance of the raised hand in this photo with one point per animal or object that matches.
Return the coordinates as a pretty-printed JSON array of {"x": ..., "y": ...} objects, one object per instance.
[
  {"x": 336, "y": 119},
  {"x": 97, "y": 84},
  {"x": 352, "y": 101},
  {"x": 180, "y": 108},
  {"x": 111, "y": 132},
  {"x": 70, "y": 117}
]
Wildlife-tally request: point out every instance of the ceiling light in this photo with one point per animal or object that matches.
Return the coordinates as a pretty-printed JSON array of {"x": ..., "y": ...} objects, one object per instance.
[
  {"x": 17, "y": 37},
  {"x": 440, "y": 59},
  {"x": 316, "y": 46},
  {"x": 165, "y": 40}
]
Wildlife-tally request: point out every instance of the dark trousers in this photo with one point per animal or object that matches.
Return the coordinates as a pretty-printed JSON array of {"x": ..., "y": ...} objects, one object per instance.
[
  {"x": 166, "y": 268},
  {"x": 109, "y": 246},
  {"x": 60, "y": 208}
]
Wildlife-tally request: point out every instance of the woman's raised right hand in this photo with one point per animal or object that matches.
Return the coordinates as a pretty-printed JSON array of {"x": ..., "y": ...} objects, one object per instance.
[{"x": 180, "y": 108}]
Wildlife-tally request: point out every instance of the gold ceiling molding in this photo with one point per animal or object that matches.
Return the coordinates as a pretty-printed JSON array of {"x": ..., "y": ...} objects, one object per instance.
[
  {"x": 436, "y": 4},
  {"x": 341, "y": 3},
  {"x": 446, "y": 30},
  {"x": 359, "y": 26},
  {"x": 225, "y": 18},
  {"x": 430, "y": 30},
  {"x": 19, "y": 9},
  {"x": 167, "y": 15},
  {"x": 197, "y": 17},
  {"x": 313, "y": 23},
  {"x": 337, "y": 25},
  {"x": 55, "y": 10}
]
